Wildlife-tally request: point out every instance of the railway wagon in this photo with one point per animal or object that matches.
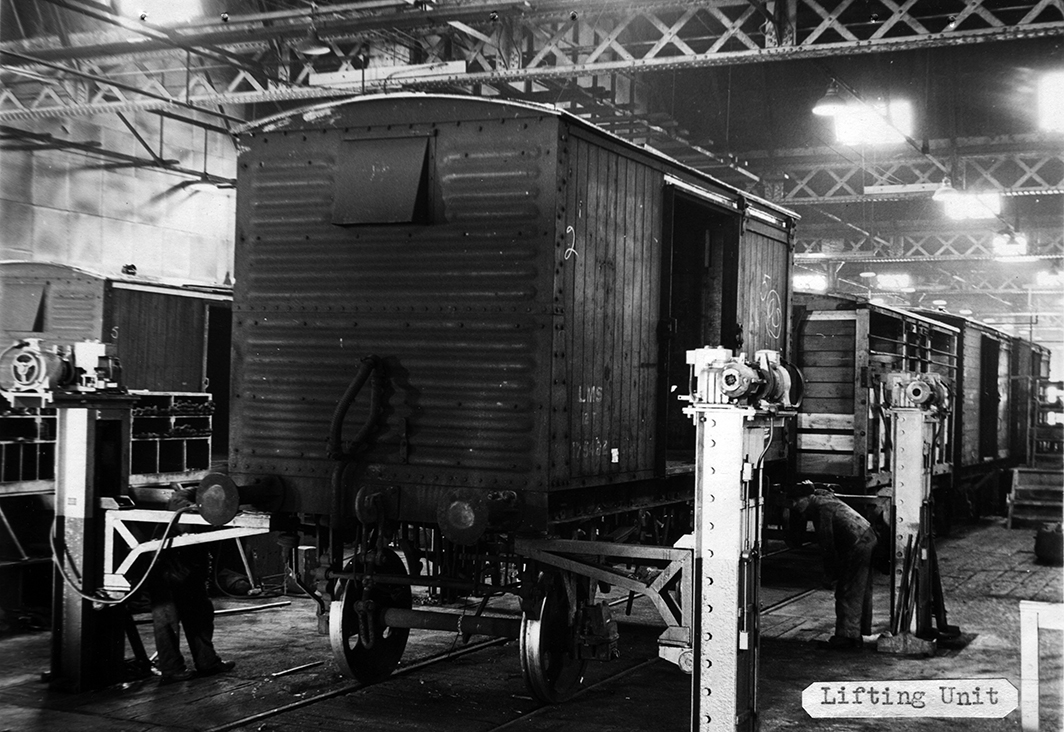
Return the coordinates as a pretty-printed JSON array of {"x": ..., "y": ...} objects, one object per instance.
[
  {"x": 160, "y": 332},
  {"x": 502, "y": 296},
  {"x": 982, "y": 415},
  {"x": 847, "y": 348}
]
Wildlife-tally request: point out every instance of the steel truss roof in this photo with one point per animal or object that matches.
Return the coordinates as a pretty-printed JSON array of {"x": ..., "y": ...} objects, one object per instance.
[
  {"x": 518, "y": 42},
  {"x": 952, "y": 242},
  {"x": 1012, "y": 165}
]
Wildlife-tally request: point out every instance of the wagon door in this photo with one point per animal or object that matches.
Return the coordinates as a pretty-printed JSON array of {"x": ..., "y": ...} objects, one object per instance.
[
  {"x": 989, "y": 398},
  {"x": 698, "y": 303}
]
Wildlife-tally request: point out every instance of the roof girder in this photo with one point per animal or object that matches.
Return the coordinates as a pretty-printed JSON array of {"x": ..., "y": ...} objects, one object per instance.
[{"x": 517, "y": 42}]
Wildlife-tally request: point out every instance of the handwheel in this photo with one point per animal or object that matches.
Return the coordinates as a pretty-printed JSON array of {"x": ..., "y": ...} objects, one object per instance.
[
  {"x": 549, "y": 664},
  {"x": 370, "y": 662}
]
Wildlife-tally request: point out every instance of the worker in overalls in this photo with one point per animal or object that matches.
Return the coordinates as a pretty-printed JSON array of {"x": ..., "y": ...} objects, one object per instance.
[
  {"x": 178, "y": 592},
  {"x": 848, "y": 541}
]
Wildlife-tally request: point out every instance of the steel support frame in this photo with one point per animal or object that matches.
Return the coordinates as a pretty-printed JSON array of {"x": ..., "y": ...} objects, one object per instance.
[
  {"x": 597, "y": 559},
  {"x": 1012, "y": 165},
  {"x": 508, "y": 45},
  {"x": 163, "y": 81},
  {"x": 124, "y": 542},
  {"x": 945, "y": 244},
  {"x": 12, "y": 536}
]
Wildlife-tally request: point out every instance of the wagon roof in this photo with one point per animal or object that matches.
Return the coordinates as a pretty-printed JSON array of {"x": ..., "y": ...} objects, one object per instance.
[
  {"x": 312, "y": 112},
  {"x": 961, "y": 321},
  {"x": 858, "y": 302},
  {"x": 26, "y": 268}
]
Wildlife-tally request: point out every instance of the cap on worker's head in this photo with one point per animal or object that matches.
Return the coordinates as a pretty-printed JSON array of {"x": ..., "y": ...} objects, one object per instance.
[{"x": 800, "y": 490}]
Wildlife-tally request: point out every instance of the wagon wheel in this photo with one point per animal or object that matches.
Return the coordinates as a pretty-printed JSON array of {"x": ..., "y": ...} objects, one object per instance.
[
  {"x": 549, "y": 663},
  {"x": 374, "y": 660}
]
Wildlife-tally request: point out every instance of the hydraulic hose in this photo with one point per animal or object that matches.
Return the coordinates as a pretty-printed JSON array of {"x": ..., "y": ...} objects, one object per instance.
[{"x": 370, "y": 366}]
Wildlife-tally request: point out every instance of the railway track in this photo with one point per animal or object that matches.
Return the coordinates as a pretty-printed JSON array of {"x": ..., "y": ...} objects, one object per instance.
[
  {"x": 343, "y": 699},
  {"x": 354, "y": 686}
]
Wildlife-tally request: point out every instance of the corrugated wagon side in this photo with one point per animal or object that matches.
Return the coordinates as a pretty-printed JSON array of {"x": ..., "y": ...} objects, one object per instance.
[
  {"x": 530, "y": 284},
  {"x": 425, "y": 243}
]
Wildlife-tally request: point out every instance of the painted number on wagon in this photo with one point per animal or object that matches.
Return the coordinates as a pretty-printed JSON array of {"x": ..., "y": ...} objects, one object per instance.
[
  {"x": 595, "y": 447},
  {"x": 773, "y": 307}
]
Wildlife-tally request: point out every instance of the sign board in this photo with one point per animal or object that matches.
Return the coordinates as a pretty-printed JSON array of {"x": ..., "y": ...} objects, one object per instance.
[{"x": 958, "y": 698}]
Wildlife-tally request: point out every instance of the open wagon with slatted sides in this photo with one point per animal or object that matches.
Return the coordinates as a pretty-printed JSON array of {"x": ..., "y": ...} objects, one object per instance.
[
  {"x": 848, "y": 349},
  {"x": 460, "y": 321}
]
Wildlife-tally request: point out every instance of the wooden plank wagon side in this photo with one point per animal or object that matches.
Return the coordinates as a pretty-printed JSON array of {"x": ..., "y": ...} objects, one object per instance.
[{"x": 846, "y": 349}]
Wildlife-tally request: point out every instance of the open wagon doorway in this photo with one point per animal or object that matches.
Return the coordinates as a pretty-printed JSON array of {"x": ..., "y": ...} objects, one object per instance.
[{"x": 700, "y": 296}]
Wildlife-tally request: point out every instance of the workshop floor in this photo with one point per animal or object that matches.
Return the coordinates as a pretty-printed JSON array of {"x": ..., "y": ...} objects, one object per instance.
[{"x": 986, "y": 570}]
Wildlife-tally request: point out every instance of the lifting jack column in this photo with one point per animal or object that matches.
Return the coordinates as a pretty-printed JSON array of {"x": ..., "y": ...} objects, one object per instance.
[
  {"x": 81, "y": 382},
  {"x": 739, "y": 412},
  {"x": 918, "y": 417},
  {"x": 88, "y": 642}
]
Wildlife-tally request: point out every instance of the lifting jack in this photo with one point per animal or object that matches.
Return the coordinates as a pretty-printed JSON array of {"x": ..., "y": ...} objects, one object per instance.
[
  {"x": 917, "y": 417},
  {"x": 739, "y": 410}
]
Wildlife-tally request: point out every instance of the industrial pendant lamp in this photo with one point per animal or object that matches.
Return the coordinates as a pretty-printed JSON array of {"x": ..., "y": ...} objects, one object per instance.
[
  {"x": 945, "y": 192},
  {"x": 831, "y": 103},
  {"x": 312, "y": 45}
]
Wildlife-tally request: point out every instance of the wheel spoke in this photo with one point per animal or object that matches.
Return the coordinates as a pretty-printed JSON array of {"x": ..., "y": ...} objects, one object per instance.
[
  {"x": 370, "y": 664},
  {"x": 551, "y": 670}
]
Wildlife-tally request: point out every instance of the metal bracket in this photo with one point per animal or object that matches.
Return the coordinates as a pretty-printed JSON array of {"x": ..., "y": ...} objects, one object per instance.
[
  {"x": 593, "y": 559},
  {"x": 125, "y": 542}
]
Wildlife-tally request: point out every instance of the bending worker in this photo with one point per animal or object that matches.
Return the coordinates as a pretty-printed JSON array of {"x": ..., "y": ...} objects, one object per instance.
[{"x": 848, "y": 541}]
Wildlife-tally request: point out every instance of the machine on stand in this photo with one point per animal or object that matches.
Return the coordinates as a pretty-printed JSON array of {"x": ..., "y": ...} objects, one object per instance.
[
  {"x": 740, "y": 412},
  {"x": 98, "y": 535},
  {"x": 82, "y": 383}
]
